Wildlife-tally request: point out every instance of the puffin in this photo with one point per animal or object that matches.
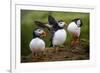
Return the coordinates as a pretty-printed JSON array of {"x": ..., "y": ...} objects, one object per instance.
[
  {"x": 56, "y": 28},
  {"x": 37, "y": 45},
  {"x": 74, "y": 28},
  {"x": 58, "y": 33}
]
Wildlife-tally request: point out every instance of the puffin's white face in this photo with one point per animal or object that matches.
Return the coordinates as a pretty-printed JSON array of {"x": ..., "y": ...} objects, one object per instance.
[
  {"x": 61, "y": 24},
  {"x": 78, "y": 22},
  {"x": 40, "y": 32}
]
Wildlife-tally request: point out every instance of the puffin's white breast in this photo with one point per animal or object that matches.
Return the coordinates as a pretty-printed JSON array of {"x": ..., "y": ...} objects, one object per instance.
[
  {"x": 72, "y": 27},
  {"x": 59, "y": 37},
  {"x": 37, "y": 43}
]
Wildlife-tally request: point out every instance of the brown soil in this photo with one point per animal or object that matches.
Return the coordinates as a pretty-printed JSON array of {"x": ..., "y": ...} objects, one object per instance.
[{"x": 81, "y": 52}]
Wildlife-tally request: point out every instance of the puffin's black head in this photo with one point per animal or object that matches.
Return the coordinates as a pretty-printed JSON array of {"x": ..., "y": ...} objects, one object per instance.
[
  {"x": 78, "y": 22},
  {"x": 38, "y": 32},
  {"x": 61, "y": 23}
]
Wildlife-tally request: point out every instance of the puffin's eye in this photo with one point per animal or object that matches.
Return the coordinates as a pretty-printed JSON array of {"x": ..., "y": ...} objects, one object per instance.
[
  {"x": 39, "y": 30},
  {"x": 60, "y": 22}
]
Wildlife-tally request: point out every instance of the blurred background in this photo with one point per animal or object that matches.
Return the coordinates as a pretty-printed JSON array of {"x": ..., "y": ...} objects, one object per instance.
[{"x": 27, "y": 26}]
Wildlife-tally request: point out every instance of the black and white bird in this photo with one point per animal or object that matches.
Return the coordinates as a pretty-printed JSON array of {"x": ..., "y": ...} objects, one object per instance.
[
  {"x": 56, "y": 28},
  {"x": 58, "y": 33},
  {"x": 75, "y": 28},
  {"x": 37, "y": 45}
]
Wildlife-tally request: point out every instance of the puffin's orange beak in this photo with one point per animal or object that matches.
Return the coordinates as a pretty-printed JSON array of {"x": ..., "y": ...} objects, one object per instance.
[{"x": 44, "y": 34}]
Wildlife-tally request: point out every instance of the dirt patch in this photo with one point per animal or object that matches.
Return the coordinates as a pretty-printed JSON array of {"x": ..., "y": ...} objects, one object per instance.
[{"x": 80, "y": 52}]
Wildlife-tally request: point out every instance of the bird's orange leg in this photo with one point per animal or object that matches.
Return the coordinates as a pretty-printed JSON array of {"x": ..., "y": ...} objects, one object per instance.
[{"x": 75, "y": 40}]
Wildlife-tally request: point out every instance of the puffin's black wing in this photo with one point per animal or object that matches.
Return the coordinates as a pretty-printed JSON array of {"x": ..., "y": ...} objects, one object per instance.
[
  {"x": 52, "y": 21},
  {"x": 41, "y": 25}
]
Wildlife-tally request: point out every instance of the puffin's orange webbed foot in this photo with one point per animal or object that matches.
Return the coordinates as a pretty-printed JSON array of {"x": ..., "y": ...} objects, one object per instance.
[{"x": 75, "y": 43}]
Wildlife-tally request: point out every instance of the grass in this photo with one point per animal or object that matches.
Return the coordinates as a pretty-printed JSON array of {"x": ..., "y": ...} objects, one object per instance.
[{"x": 27, "y": 26}]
